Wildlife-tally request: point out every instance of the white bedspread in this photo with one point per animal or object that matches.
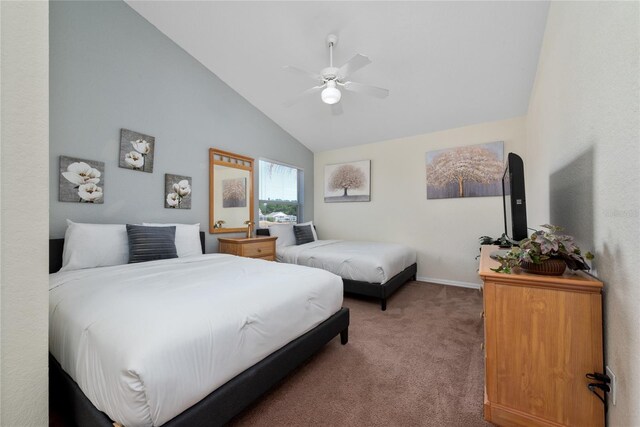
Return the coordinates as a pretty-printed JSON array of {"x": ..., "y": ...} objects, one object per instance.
[
  {"x": 146, "y": 341},
  {"x": 371, "y": 262}
]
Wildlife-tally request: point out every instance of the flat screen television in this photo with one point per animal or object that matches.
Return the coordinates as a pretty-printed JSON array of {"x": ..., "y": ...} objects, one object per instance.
[{"x": 513, "y": 199}]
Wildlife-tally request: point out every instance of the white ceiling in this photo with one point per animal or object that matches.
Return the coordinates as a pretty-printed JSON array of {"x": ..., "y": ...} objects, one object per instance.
[{"x": 447, "y": 64}]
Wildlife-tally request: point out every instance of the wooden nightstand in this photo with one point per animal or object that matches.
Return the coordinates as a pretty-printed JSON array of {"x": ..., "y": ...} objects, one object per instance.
[{"x": 253, "y": 247}]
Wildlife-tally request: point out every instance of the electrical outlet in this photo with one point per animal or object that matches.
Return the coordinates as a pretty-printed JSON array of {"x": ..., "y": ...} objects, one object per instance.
[{"x": 612, "y": 393}]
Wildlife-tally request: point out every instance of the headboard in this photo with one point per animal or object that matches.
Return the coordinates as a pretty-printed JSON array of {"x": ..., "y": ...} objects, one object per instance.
[
  {"x": 265, "y": 231},
  {"x": 57, "y": 245}
]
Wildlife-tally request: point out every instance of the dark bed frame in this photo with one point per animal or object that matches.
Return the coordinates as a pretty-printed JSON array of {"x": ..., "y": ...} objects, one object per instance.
[
  {"x": 219, "y": 407},
  {"x": 368, "y": 289}
]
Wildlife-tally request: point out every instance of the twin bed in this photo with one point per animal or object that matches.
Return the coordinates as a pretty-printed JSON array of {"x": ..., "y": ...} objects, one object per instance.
[
  {"x": 195, "y": 339},
  {"x": 367, "y": 268}
]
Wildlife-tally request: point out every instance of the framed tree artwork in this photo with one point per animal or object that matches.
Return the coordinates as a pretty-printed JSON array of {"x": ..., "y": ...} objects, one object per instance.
[
  {"x": 348, "y": 182},
  {"x": 471, "y": 171},
  {"x": 234, "y": 193}
]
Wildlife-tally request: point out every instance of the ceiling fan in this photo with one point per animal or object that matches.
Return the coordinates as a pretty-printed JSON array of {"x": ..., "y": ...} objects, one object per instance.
[{"x": 331, "y": 79}]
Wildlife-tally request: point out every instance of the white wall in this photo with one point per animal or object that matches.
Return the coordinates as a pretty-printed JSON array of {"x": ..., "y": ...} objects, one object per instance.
[
  {"x": 444, "y": 232},
  {"x": 24, "y": 212},
  {"x": 583, "y": 152}
]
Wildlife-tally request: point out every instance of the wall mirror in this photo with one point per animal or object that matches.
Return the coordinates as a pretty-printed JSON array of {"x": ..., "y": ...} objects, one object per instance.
[{"x": 230, "y": 191}]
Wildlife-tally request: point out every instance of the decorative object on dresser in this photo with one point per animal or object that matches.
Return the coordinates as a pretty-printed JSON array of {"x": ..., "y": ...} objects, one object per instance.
[
  {"x": 249, "y": 225},
  {"x": 81, "y": 181},
  {"x": 177, "y": 191},
  {"x": 136, "y": 151},
  {"x": 470, "y": 171},
  {"x": 545, "y": 252},
  {"x": 230, "y": 186},
  {"x": 542, "y": 336},
  {"x": 254, "y": 247}
]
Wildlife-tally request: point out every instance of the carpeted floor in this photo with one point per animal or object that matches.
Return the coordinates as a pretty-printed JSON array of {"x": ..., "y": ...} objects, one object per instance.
[{"x": 417, "y": 364}]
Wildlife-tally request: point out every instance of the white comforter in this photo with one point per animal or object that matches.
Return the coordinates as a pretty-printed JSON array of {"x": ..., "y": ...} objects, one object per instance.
[
  {"x": 371, "y": 262},
  {"x": 146, "y": 341}
]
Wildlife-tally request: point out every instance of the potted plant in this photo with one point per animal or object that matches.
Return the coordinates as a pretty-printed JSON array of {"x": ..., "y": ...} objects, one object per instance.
[{"x": 547, "y": 252}]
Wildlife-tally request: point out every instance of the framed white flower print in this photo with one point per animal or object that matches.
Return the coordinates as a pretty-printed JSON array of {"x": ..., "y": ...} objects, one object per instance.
[
  {"x": 136, "y": 151},
  {"x": 81, "y": 181},
  {"x": 177, "y": 191}
]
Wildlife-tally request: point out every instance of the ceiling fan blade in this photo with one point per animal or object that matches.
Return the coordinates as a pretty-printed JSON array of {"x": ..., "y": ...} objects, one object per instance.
[
  {"x": 336, "y": 109},
  {"x": 302, "y": 72},
  {"x": 352, "y": 65},
  {"x": 378, "y": 92},
  {"x": 297, "y": 98}
]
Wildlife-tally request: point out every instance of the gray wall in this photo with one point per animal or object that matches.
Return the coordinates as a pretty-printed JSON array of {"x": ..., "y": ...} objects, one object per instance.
[{"x": 111, "y": 69}]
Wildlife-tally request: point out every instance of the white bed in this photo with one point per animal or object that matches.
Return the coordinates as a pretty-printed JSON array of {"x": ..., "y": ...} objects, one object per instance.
[
  {"x": 370, "y": 269},
  {"x": 146, "y": 341},
  {"x": 370, "y": 262}
]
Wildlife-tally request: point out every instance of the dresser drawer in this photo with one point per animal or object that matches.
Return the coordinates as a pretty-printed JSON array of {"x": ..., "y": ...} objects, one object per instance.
[{"x": 257, "y": 249}]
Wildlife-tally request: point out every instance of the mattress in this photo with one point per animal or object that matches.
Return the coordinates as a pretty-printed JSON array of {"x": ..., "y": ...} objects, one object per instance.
[
  {"x": 146, "y": 341},
  {"x": 371, "y": 262}
]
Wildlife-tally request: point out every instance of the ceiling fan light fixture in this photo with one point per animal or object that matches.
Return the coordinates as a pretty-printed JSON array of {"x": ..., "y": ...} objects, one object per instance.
[{"x": 331, "y": 94}]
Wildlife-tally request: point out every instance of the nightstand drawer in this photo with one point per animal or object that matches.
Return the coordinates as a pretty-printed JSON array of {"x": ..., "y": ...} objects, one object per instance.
[
  {"x": 257, "y": 249},
  {"x": 253, "y": 247}
]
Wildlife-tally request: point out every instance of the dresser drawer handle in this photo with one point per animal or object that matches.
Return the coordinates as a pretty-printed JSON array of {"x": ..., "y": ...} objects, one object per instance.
[{"x": 259, "y": 250}]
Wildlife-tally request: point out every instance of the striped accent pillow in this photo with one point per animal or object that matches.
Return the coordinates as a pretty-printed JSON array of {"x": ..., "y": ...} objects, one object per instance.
[
  {"x": 303, "y": 233},
  {"x": 151, "y": 243}
]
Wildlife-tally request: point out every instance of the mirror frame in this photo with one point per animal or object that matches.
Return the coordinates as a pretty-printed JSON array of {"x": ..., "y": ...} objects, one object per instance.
[{"x": 232, "y": 160}]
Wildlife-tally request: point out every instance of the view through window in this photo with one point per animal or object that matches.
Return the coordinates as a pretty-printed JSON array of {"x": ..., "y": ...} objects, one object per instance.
[{"x": 278, "y": 194}]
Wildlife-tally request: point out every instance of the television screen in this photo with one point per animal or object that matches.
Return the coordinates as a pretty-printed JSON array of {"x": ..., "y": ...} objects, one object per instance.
[{"x": 513, "y": 199}]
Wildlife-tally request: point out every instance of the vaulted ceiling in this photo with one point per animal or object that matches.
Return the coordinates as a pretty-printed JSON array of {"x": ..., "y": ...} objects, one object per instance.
[{"x": 446, "y": 64}]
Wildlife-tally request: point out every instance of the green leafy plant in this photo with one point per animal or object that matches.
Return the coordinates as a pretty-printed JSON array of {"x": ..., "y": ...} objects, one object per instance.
[
  {"x": 502, "y": 241},
  {"x": 509, "y": 261},
  {"x": 542, "y": 245}
]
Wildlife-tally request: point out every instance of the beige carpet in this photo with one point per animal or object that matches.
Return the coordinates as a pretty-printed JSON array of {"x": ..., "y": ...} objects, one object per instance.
[{"x": 417, "y": 364}]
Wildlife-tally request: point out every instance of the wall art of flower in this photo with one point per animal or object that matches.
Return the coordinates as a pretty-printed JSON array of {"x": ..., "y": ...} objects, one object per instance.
[
  {"x": 177, "y": 191},
  {"x": 136, "y": 151},
  {"x": 81, "y": 181},
  {"x": 471, "y": 171},
  {"x": 234, "y": 193}
]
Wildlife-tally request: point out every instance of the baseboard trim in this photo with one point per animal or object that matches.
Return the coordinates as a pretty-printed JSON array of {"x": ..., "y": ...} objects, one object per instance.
[{"x": 448, "y": 282}]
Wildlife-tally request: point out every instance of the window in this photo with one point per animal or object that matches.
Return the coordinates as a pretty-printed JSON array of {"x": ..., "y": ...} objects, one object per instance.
[{"x": 280, "y": 195}]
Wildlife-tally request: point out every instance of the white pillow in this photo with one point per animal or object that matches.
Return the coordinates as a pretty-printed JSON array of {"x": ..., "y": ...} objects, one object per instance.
[
  {"x": 187, "y": 238},
  {"x": 284, "y": 233},
  {"x": 313, "y": 229},
  {"x": 94, "y": 245}
]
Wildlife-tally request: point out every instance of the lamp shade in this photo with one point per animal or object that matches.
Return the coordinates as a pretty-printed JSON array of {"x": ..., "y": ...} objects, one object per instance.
[{"x": 331, "y": 94}]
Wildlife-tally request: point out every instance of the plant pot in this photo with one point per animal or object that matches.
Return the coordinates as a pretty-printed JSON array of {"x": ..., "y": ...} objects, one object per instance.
[{"x": 548, "y": 267}]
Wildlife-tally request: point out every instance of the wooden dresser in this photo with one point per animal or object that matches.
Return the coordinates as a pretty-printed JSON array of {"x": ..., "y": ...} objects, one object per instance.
[
  {"x": 542, "y": 335},
  {"x": 254, "y": 247}
]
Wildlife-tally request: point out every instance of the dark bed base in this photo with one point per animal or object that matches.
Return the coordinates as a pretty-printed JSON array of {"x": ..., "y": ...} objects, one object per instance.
[
  {"x": 383, "y": 291},
  {"x": 219, "y": 407}
]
